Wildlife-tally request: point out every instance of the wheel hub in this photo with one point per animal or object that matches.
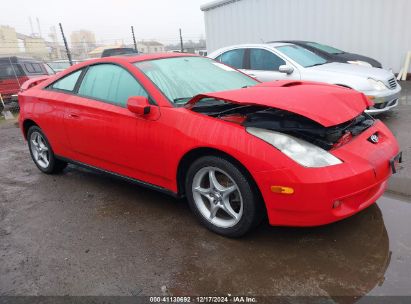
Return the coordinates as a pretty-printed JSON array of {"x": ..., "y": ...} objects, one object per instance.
[{"x": 217, "y": 197}]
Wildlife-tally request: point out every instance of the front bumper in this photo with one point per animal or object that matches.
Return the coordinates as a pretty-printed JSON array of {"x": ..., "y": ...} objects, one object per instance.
[
  {"x": 355, "y": 184},
  {"x": 383, "y": 100}
]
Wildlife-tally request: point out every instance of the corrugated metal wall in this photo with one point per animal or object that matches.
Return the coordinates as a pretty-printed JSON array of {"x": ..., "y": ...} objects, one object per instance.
[{"x": 380, "y": 29}]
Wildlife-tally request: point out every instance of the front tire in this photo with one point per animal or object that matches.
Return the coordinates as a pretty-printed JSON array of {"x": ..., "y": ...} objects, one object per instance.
[
  {"x": 222, "y": 197},
  {"x": 42, "y": 153}
]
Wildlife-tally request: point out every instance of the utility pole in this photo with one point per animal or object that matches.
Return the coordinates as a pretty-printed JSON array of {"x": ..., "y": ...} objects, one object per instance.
[
  {"x": 134, "y": 38},
  {"x": 65, "y": 44},
  {"x": 181, "y": 42}
]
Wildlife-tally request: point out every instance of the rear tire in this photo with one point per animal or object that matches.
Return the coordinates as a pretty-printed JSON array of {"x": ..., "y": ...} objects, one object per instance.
[
  {"x": 222, "y": 197},
  {"x": 42, "y": 153}
]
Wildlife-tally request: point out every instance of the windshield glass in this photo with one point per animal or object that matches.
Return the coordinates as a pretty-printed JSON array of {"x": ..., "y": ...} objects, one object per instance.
[
  {"x": 325, "y": 48},
  {"x": 181, "y": 78},
  {"x": 302, "y": 56}
]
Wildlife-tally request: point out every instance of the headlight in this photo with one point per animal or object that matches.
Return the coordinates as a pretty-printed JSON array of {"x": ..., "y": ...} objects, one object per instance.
[
  {"x": 302, "y": 152},
  {"x": 359, "y": 62},
  {"x": 377, "y": 84}
]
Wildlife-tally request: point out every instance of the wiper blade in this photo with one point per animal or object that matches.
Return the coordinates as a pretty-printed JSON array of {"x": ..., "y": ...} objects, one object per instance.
[{"x": 233, "y": 109}]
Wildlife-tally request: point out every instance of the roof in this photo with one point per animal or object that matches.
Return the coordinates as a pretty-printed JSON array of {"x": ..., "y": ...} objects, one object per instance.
[
  {"x": 215, "y": 4},
  {"x": 15, "y": 59},
  {"x": 131, "y": 59},
  {"x": 248, "y": 45},
  {"x": 293, "y": 41}
]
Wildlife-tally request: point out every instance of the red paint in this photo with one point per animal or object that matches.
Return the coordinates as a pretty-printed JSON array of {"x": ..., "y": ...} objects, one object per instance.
[
  {"x": 326, "y": 104},
  {"x": 150, "y": 147}
]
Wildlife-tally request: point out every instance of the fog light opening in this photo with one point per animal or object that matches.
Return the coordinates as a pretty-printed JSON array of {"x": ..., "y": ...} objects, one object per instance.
[{"x": 337, "y": 204}]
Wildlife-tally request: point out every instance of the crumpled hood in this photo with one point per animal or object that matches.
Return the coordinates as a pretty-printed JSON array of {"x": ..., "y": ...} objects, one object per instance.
[{"x": 326, "y": 104}]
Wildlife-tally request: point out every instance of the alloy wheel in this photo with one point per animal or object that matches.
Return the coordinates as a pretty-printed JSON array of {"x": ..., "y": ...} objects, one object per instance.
[
  {"x": 40, "y": 150},
  {"x": 217, "y": 197}
]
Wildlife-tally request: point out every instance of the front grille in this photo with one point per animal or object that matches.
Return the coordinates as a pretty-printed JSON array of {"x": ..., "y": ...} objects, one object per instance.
[{"x": 392, "y": 83}]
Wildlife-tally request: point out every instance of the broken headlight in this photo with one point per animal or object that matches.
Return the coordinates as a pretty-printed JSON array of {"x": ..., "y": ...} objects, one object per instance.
[{"x": 302, "y": 152}]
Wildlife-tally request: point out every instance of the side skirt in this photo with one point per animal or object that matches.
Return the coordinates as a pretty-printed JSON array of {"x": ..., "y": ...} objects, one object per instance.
[{"x": 129, "y": 179}]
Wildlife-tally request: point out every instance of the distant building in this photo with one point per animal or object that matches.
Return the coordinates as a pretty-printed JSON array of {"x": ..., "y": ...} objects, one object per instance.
[
  {"x": 8, "y": 40},
  {"x": 13, "y": 43},
  {"x": 150, "y": 47},
  {"x": 82, "y": 42},
  {"x": 36, "y": 47}
]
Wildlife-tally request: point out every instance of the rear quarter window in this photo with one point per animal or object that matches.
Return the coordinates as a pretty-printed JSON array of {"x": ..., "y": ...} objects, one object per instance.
[{"x": 66, "y": 83}]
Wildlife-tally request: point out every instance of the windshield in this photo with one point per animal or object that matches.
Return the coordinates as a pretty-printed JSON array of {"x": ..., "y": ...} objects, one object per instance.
[
  {"x": 326, "y": 48},
  {"x": 302, "y": 56},
  {"x": 182, "y": 78}
]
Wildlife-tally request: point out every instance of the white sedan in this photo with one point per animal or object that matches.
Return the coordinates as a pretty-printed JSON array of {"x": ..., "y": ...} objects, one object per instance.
[{"x": 279, "y": 61}]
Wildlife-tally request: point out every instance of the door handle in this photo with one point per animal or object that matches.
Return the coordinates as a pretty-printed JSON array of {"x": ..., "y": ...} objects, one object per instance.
[
  {"x": 75, "y": 116},
  {"x": 251, "y": 75}
]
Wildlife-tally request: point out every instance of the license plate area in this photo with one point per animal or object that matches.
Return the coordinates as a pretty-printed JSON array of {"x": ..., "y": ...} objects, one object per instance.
[{"x": 395, "y": 163}]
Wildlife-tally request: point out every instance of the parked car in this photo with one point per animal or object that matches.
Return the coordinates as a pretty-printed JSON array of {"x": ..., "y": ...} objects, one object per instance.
[
  {"x": 14, "y": 71},
  {"x": 118, "y": 52},
  {"x": 236, "y": 148},
  {"x": 61, "y": 65},
  {"x": 276, "y": 61},
  {"x": 333, "y": 54}
]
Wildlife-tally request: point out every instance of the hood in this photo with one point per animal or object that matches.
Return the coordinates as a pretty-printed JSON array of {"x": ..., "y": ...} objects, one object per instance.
[
  {"x": 354, "y": 70},
  {"x": 344, "y": 57},
  {"x": 325, "y": 104}
]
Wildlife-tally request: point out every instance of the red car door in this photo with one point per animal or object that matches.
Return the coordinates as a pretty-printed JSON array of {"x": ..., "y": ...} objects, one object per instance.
[{"x": 102, "y": 132}]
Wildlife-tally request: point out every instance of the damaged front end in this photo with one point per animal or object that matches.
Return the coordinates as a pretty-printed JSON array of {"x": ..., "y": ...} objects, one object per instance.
[
  {"x": 267, "y": 118},
  {"x": 323, "y": 115}
]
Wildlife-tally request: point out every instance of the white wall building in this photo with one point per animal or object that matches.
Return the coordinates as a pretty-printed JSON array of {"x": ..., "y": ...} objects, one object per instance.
[{"x": 380, "y": 29}]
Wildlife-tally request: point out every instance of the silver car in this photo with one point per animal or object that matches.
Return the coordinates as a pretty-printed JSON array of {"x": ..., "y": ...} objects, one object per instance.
[{"x": 281, "y": 61}]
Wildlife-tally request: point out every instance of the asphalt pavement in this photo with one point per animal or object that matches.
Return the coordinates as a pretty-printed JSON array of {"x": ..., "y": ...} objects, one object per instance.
[{"x": 86, "y": 233}]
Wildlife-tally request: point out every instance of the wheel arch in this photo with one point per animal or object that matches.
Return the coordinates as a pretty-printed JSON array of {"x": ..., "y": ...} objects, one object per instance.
[
  {"x": 196, "y": 153},
  {"x": 27, "y": 123}
]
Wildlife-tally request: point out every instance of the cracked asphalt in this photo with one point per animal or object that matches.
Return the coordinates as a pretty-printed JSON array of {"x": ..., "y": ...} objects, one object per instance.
[{"x": 86, "y": 233}]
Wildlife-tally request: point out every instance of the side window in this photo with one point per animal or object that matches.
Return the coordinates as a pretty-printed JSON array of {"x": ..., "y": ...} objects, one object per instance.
[
  {"x": 110, "y": 83},
  {"x": 29, "y": 67},
  {"x": 233, "y": 58},
  {"x": 264, "y": 60},
  {"x": 37, "y": 68},
  {"x": 67, "y": 83}
]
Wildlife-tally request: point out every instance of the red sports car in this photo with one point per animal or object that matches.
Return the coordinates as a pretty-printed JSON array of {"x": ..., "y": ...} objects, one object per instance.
[{"x": 300, "y": 153}]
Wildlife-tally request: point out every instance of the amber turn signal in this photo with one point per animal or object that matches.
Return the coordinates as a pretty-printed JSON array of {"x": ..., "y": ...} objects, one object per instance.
[{"x": 282, "y": 190}]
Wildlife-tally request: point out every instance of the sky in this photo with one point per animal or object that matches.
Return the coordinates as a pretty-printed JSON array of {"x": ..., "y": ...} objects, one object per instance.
[{"x": 110, "y": 20}]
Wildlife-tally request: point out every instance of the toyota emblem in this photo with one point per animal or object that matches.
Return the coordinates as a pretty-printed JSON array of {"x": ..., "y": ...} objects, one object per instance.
[{"x": 374, "y": 138}]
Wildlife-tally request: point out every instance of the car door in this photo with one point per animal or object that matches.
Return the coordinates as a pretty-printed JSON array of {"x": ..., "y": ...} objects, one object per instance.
[
  {"x": 264, "y": 65},
  {"x": 101, "y": 130}
]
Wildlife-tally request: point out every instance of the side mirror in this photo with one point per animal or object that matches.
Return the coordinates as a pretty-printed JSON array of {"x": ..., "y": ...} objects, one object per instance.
[
  {"x": 138, "y": 105},
  {"x": 287, "y": 69}
]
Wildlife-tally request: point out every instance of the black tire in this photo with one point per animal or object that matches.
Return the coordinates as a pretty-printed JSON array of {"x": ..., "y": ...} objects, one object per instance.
[
  {"x": 253, "y": 210},
  {"x": 54, "y": 165}
]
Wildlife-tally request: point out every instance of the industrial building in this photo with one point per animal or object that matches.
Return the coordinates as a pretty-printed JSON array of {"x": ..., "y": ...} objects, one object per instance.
[{"x": 380, "y": 29}]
